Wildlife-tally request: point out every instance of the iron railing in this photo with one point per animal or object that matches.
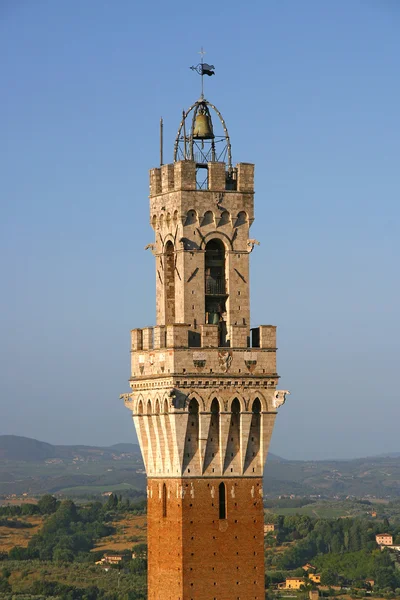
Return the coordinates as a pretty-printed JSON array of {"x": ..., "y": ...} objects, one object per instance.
[{"x": 215, "y": 286}]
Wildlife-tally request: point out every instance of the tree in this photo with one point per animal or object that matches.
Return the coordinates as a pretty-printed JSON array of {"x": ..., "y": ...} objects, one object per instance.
[
  {"x": 47, "y": 504},
  {"x": 385, "y": 577},
  {"x": 329, "y": 577},
  {"x": 61, "y": 555},
  {"x": 4, "y": 585}
]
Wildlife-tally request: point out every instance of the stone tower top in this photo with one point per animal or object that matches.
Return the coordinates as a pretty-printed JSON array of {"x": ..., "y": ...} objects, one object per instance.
[{"x": 202, "y": 356}]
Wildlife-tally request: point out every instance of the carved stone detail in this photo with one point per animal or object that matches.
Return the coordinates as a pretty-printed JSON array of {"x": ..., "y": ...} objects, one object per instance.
[{"x": 279, "y": 398}]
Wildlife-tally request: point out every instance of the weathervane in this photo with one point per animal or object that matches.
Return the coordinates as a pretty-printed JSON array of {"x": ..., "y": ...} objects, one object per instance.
[{"x": 203, "y": 69}]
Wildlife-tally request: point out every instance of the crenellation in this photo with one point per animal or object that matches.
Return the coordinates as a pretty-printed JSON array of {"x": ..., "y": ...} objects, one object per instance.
[
  {"x": 245, "y": 177},
  {"x": 209, "y": 336},
  {"x": 178, "y": 335},
  {"x": 217, "y": 176},
  {"x": 167, "y": 178},
  {"x": 147, "y": 338},
  {"x": 267, "y": 336},
  {"x": 159, "y": 339},
  {"x": 239, "y": 336},
  {"x": 185, "y": 175},
  {"x": 155, "y": 182},
  {"x": 136, "y": 339}
]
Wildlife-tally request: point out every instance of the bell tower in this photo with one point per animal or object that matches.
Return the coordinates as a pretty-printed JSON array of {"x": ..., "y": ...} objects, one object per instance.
[{"x": 203, "y": 384}]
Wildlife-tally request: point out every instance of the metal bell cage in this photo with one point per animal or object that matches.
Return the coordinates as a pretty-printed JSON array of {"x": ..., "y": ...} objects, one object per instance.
[{"x": 202, "y": 145}]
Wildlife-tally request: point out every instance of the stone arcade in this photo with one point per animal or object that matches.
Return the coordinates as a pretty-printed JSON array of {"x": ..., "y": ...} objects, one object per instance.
[{"x": 203, "y": 385}]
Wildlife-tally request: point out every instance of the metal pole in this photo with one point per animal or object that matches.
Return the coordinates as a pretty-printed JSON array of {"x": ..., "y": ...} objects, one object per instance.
[
  {"x": 161, "y": 141},
  {"x": 184, "y": 134}
]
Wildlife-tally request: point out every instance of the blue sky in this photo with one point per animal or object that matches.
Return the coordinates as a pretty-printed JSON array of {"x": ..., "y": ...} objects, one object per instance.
[{"x": 310, "y": 92}]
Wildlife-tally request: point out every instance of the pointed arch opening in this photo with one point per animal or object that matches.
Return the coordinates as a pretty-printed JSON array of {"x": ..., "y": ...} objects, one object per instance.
[
  {"x": 232, "y": 456},
  {"x": 169, "y": 448},
  {"x": 252, "y": 461},
  {"x": 211, "y": 458},
  {"x": 191, "y": 458},
  {"x": 169, "y": 283}
]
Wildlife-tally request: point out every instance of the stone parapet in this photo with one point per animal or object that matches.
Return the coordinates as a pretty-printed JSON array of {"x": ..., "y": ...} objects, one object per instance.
[
  {"x": 180, "y": 335},
  {"x": 235, "y": 362},
  {"x": 181, "y": 176}
]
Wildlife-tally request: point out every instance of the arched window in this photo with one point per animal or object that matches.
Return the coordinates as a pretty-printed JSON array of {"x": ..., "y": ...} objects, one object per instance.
[
  {"x": 169, "y": 283},
  {"x": 193, "y": 407},
  {"x": 222, "y": 500},
  {"x": 164, "y": 500},
  {"x": 215, "y": 292}
]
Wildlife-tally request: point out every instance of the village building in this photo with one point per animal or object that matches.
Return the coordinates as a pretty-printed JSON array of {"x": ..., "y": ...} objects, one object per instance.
[
  {"x": 110, "y": 559},
  {"x": 270, "y": 527},
  {"x": 384, "y": 539},
  {"x": 291, "y": 583}
]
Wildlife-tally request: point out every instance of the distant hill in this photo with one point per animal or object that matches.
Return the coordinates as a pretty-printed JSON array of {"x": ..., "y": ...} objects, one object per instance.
[
  {"x": 129, "y": 448},
  {"x": 16, "y": 448},
  {"x": 34, "y": 467}
]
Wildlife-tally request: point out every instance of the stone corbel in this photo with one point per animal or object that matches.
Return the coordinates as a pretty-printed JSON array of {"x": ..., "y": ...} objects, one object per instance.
[
  {"x": 251, "y": 244},
  {"x": 178, "y": 400},
  {"x": 151, "y": 247},
  {"x": 279, "y": 398},
  {"x": 128, "y": 399}
]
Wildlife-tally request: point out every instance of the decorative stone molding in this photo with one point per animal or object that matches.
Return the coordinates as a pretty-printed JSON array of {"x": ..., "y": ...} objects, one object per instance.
[{"x": 279, "y": 398}]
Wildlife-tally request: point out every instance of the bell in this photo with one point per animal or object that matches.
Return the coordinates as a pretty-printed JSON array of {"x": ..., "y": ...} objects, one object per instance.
[{"x": 202, "y": 129}]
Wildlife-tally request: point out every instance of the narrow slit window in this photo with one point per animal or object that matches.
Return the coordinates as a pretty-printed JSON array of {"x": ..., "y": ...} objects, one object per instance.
[
  {"x": 164, "y": 500},
  {"x": 222, "y": 501}
]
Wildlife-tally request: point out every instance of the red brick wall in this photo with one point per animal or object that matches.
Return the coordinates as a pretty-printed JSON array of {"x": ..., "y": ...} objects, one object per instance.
[{"x": 195, "y": 555}]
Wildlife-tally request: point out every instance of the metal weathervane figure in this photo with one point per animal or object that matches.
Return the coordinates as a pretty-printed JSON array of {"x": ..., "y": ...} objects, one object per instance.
[{"x": 203, "y": 69}]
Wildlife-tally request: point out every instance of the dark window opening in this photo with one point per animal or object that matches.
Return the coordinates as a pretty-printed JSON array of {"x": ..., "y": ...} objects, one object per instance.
[
  {"x": 222, "y": 501},
  {"x": 169, "y": 282},
  {"x": 215, "y": 287},
  {"x": 164, "y": 500}
]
